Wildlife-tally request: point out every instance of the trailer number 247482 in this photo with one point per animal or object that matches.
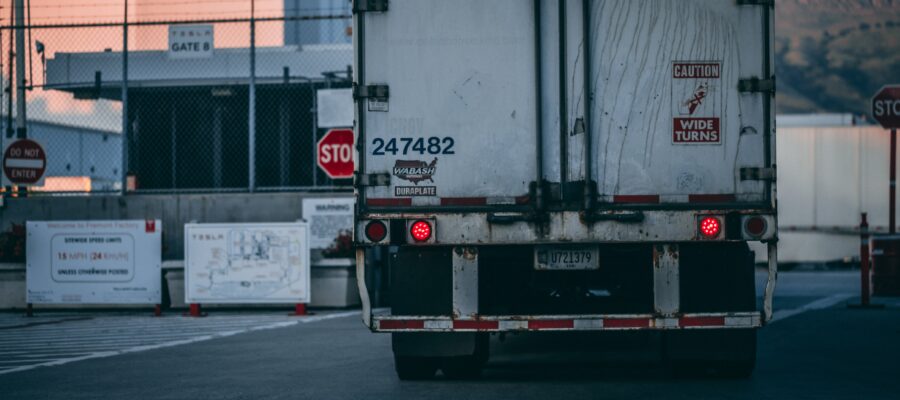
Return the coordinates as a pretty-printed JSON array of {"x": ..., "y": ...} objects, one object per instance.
[{"x": 431, "y": 145}]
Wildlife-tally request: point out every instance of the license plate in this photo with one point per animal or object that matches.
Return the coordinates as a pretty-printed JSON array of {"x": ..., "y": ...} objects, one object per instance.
[{"x": 559, "y": 258}]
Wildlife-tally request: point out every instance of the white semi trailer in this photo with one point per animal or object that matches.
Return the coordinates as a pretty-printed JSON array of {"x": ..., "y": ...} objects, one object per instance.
[{"x": 554, "y": 165}]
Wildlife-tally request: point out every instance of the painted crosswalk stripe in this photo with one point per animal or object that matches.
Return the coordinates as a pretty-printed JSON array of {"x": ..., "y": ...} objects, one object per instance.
[{"x": 26, "y": 347}]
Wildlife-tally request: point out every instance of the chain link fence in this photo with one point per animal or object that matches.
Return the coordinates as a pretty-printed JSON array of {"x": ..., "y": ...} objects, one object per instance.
[{"x": 194, "y": 103}]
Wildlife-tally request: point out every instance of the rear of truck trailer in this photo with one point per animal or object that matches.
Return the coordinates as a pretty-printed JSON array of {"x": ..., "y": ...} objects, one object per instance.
[{"x": 554, "y": 165}]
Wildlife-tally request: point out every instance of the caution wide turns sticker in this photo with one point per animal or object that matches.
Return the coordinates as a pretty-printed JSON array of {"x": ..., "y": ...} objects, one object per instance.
[{"x": 697, "y": 102}]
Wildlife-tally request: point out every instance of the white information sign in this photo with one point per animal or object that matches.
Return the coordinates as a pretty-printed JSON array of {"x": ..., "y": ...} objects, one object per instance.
[
  {"x": 327, "y": 218},
  {"x": 94, "y": 262},
  {"x": 265, "y": 263},
  {"x": 334, "y": 108},
  {"x": 191, "y": 41}
]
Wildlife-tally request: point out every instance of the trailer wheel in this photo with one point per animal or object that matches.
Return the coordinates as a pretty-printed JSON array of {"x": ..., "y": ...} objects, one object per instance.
[
  {"x": 415, "y": 368},
  {"x": 468, "y": 367},
  {"x": 729, "y": 354}
]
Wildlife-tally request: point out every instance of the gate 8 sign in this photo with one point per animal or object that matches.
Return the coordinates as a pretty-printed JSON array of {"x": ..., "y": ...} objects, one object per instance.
[{"x": 886, "y": 107}]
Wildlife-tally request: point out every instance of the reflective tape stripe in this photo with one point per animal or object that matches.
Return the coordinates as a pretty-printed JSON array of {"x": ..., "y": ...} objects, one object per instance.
[
  {"x": 401, "y": 324},
  {"x": 712, "y": 198},
  {"x": 514, "y": 325},
  {"x": 588, "y": 324},
  {"x": 440, "y": 325},
  {"x": 463, "y": 201},
  {"x": 701, "y": 321},
  {"x": 389, "y": 202},
  {"x": 551, "y": 324},
  {"x": 637, "y": 199},
  {"x": 476, "y": 325},
  {"x": 626, "y": 323}
]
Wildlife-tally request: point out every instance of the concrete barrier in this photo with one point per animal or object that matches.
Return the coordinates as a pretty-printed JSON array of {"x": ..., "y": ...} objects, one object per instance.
[
  {"x": 12, "y": 286},
  {"x": 173, "y": 210}
]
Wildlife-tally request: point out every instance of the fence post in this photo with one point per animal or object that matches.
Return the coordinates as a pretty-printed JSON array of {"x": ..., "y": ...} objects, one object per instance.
[
  {"x": 252, "y": 111},
  {"x": 864, "y": 256},
  {"x": 124, "y": 168}
]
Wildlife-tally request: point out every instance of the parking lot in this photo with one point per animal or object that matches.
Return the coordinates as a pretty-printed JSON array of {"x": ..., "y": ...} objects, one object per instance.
[{"x": 815, "y": 348}]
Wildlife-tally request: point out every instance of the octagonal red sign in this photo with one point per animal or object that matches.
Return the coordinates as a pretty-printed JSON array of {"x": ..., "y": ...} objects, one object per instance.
[
  {"x": 886, "y": 107},
  {"x": 24, "y": 162},
  {"x": 334, "y": 153}
]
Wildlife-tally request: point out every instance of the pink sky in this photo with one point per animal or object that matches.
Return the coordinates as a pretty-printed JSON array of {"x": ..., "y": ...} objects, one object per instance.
[{"x": 58, "y": 106}]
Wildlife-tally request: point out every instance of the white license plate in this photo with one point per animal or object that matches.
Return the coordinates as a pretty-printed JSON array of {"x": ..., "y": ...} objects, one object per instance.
[{"x": 566, "y": 258}]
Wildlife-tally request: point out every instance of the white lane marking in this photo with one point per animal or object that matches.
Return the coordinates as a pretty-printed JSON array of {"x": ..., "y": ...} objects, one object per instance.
[
  {"x": 104, "y": 354},
  {"x": 102, "y": 326},
  {"x": 819, "y": 304}
]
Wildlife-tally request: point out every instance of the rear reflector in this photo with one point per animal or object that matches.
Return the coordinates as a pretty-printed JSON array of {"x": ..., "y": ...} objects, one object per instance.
[
  {"x": 755, "y": 226},
  {"x": 376, "y": 231}
]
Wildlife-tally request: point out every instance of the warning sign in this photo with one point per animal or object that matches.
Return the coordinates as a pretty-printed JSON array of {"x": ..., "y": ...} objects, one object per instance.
[
  {"x": 24, "y": 163},
  {"x": 697, "y": 105}
]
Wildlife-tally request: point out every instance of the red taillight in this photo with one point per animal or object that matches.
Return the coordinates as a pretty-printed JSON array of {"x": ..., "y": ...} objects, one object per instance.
[
  {"x": 755, "y": 226},
  {"x": 376, "y": 231},
  {"x": 710, "y": 227},
  {"x": 420, "y": 231}
]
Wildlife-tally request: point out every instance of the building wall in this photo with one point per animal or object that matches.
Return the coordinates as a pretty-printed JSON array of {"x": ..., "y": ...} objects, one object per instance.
[
  {"x": 827, "y": 177},
  {"x": 316, "y": 32}
]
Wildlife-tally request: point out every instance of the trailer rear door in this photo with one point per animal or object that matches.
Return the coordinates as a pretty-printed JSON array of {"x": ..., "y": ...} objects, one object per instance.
[
  {"x": 654, "y": 102},
  {"x": 458, "y": 125},
  {"x": 681, "y": 110}
]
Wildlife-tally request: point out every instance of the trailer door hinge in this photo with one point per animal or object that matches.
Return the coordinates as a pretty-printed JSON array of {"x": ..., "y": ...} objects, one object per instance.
[
  {"x": 758, "y": 174},
  {"x": 362, "y": 6},
  {"x": 756, "y": 85},
  {"x": 383, "y": 179},
  {"x": 379, "y": 92},
  {"x": 769, "y": 3}
]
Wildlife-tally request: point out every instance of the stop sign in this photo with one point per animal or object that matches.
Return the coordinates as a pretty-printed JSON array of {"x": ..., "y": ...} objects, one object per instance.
[
  {"x": 886, "y": 107},
  {"x": 24, "y": 162},
  {"x": 334, "y": 153}
]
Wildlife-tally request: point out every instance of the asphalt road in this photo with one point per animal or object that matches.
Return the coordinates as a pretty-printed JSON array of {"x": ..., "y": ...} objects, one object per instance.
[{"x": 816, "y": 348}]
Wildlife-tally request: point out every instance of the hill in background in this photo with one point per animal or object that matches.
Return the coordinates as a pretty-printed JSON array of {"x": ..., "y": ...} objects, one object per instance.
[{"x": 832, "y": 55}]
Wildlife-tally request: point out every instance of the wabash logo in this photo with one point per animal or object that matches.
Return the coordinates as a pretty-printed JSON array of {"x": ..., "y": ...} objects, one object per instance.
[
  {"x": 415, "y": 171},
  {"x": 696, "y": 130}
]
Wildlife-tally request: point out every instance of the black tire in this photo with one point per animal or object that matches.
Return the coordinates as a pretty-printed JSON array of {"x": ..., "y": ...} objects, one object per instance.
[
  {"x": 462, "y": 368},
  {"x": 728, "y": 354},
  {"x": 468, "y": 367},
  {"x": 415, "y": 368}
]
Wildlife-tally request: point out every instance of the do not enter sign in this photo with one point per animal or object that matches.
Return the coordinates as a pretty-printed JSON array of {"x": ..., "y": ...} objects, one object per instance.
[
  {"x": 24, "y": 162},
  {"x": 886, "y": 107},
  {"x": 334, "y": 153}
]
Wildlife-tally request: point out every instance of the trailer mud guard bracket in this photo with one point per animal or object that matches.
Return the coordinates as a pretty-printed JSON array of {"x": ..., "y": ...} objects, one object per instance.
[
  {"x": 666, "y": 287},
  {"x": 770, "y": 282},
  {"x": 361, "y": 286}
]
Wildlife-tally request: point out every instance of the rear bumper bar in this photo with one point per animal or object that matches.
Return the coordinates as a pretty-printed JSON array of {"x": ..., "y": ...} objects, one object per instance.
[{"x": 614, "y": 322}]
